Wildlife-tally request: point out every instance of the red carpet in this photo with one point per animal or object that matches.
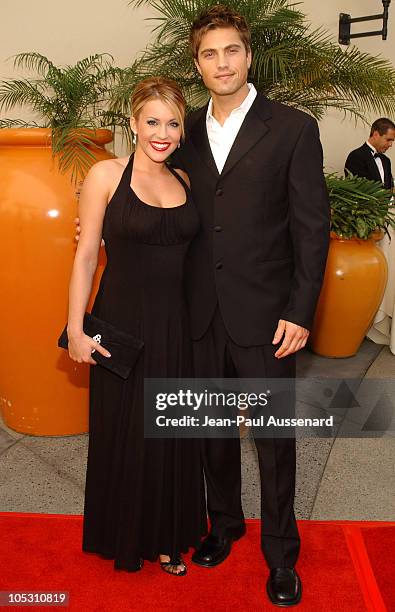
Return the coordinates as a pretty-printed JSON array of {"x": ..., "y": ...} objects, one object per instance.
[{"x": 345, "y": 567}]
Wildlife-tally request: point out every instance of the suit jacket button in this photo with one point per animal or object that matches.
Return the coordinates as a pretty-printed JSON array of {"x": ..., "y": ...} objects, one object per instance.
[
  {"x": 217, "y": 228},
  {"x": 219, "y": 191},
  {"x": 219, "y": 265}
]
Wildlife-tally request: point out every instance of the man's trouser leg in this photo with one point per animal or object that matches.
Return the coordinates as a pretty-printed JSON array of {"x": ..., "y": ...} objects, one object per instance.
[{"x": 217, "y": 356}]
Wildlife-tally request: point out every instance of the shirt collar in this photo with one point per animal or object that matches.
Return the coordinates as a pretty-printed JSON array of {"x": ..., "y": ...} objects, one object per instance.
[
  {"x": 371, "y": 148},
  {"x": 243, "y": 108}
]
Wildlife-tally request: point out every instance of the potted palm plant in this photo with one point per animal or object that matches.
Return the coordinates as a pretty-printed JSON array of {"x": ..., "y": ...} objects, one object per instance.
[
  {"x": 356, "y": 271},
  {"x": 70, "y": 103},
  {"x": 40, "y": 162}
]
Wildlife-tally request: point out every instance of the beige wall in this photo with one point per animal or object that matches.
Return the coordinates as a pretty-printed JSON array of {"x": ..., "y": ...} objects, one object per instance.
[{"x": 68, "y": 31}]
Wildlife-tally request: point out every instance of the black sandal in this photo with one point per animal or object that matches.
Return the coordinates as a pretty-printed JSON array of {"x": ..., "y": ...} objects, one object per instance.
[{"x": 170, "y": 567}]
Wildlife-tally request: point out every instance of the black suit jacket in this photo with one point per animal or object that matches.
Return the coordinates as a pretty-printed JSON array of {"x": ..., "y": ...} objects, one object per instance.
[
  {"x": 264, "y": 236},
  {"x": 361, "y": 163}
]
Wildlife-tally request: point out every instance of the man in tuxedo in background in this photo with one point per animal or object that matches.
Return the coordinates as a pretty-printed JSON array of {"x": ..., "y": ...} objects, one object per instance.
[
  {"x": 369, "y": 160},
  {"x": 254, "y": 273}
]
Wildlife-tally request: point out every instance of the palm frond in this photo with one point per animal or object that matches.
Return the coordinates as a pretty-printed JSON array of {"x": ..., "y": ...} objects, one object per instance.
[
  {"x": 21, "y": 92},
  {"x": 34, "y": 61},
  {"x": 73, "y": 145},
  {"x": 122, "y": 85},
  {"x": 17, "y": 123},
  {"x": 117, "y": 122}
]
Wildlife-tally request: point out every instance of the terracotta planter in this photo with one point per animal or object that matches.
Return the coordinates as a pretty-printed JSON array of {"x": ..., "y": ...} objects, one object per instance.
[
  {"x": 354, "y": 284},
  {"x": 42, "y": 392}
]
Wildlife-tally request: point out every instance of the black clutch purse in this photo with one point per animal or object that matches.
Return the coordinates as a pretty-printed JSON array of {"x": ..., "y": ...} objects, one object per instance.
[{"x": 124, "y": 347}]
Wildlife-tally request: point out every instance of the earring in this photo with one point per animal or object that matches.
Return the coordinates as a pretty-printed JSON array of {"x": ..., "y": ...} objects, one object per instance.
[
  {"x": 134, "y": 139},
  {"x": 179, "y": 145}
]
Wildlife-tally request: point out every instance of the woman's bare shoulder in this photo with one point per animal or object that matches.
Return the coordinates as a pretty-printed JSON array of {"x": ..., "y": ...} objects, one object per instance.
[
  {"x": 107, "y": 170},
  {"x": 110, "y": 166}
]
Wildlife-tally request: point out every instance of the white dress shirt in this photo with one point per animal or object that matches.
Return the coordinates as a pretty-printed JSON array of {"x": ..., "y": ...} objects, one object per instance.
[
  {"x": 222, "y": 137},
  {"x": 378, "y": 161}
]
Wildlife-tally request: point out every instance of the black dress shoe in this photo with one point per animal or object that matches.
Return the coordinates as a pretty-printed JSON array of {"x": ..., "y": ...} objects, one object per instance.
[
  {"x": 214, "y": 550},
  {"x": 284, "y": 587}
]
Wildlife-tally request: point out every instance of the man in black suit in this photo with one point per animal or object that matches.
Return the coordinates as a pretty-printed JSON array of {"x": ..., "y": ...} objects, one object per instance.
[
  {"x": 370, "y": 160},
  {"x": 254, "y": 273}
]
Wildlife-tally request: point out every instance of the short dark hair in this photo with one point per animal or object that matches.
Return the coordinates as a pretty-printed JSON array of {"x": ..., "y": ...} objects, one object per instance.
[
  {"x": 218, "y": 16},
  {"x": 382, "y": 126}
]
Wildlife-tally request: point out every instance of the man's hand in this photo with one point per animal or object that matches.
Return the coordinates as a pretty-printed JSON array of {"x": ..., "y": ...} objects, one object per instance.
[
  {"x": 77, "y": 194},
  {"x": 78, "y": 231},
  {"x": 77, "y": 228},
  {"x": 295, "y": 338}
]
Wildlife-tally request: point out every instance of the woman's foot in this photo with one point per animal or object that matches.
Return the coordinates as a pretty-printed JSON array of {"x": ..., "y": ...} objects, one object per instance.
[{"x": 175, "y": 566}]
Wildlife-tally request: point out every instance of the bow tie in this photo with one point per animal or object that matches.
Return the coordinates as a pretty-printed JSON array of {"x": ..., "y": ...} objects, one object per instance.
[{"x": 377, "y": 155}]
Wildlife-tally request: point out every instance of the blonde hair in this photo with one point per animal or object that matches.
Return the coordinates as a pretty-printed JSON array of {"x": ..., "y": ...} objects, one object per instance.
[{"x": 160, "y": 88}]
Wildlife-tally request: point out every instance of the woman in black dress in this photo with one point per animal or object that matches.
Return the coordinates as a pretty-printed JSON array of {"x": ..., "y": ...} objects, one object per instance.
[{"x": 144, "y": 498}]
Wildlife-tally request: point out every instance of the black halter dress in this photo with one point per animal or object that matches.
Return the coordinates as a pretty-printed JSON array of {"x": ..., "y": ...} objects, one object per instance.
[{"x": 144, "y": 497}]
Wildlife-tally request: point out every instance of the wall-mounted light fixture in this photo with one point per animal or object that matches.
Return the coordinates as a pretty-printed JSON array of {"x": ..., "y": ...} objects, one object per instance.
[{"x": 345, "y": 22}]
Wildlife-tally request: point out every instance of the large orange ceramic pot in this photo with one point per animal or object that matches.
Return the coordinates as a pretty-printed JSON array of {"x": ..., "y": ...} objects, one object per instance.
[
  {"x": 354, "y": 285},
  {"x": 42, "y": 392}
]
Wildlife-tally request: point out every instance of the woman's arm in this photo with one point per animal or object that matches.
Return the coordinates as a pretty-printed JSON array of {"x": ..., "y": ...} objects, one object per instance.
[{"x": 92, "y": 206}]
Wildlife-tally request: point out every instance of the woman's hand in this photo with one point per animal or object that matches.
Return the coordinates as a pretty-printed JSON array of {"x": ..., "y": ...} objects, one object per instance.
[{"x": 82, "y": 346}]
